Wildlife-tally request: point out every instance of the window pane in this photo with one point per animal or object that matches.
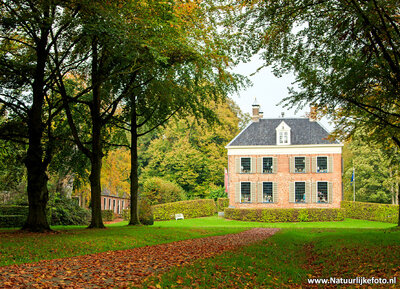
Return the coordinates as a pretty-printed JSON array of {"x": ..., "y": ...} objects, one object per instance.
[
  {"x": 245, "y": 165},
  {"x": 267, "y": 192},
  {"x": 322, "y": 194},
  {"x": 300, "y": 192},
  {"x": 299, "y": 164},
  {"x": 245, "y": 192},
  {"x": 322, "y": 164},
  {"x": 285, "y": 137},
  {"x": 267, "y": 165}
]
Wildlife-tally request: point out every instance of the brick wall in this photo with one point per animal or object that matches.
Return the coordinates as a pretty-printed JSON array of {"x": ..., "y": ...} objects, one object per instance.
[
  {"x": 283, "y": 177},
  {"x": 114, "y": 203}
]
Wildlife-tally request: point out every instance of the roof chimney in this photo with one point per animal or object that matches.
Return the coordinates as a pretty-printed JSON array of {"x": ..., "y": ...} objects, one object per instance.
[{"x": 256, "y": 111}]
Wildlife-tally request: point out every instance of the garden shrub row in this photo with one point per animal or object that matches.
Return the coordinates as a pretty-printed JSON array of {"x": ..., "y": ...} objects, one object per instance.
[
  {"x": 107, "y": 215},
  {"x": 13, "y": 216},
  {"x": 12, "y": 221},
  {"x": 9, "y": 210},
  {"x": 189, "y": 209},
  {"x": 285, "y": 215},
  {"x": 222, "y": 203},
  {"x": 371, "y": 211}
]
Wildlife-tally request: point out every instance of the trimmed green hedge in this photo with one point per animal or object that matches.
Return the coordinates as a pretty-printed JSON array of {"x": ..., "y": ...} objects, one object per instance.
[
  {"x": 107, "y": 215},
  {"x": 371, "y": 211},
  {"x": 8, "y": 210},
  {"x": 222, "y": 203},
  {"x": 189, "y": 209},
  {"x": 285, "y": 215},
  {"x": 12, "y": 221}
]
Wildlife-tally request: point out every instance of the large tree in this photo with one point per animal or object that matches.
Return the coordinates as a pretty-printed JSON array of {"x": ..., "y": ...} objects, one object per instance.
[
  {"x": 345, "y": 55},
  {"x": 180, "y": 72},
  {"x": 27, "y": 88}
]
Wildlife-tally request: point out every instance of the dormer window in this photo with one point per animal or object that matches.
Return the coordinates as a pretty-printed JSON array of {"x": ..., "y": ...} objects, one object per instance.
[{"x": 283, "y": 134}]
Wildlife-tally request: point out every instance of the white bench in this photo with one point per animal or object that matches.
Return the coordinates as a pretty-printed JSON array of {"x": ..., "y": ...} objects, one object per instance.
[{"x": 179, "y": 217}]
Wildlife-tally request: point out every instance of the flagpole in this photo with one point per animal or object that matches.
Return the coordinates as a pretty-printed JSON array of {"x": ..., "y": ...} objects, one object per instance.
[{"x": 354, "y": 185}]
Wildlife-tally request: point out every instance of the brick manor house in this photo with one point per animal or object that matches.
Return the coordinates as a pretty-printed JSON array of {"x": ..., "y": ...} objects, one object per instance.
[{"x": 284, "y": 163}]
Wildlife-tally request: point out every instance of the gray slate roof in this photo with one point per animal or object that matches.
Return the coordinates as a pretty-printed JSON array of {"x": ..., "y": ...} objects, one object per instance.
[{"x": 303, "y": 132}]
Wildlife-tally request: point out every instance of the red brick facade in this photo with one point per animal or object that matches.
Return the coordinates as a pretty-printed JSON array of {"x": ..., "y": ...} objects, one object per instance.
[
  {"x": 114, "y": 203},
  {"x": 284, "y": 180}
]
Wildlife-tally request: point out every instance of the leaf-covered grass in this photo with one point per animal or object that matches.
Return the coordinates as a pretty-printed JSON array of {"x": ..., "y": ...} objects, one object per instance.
[
  {"x": 290, "y": 257},
  {"x": 18, "y": 247}
]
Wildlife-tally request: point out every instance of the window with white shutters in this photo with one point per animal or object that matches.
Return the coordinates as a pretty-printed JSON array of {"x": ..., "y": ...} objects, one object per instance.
[
  {"x": 300, "y": 192},
  {"x": 299, "y": 164},
  {"x": 267, "y": 166},
  {"x": 245, "y": 165},
  {"x": 322, "y": 192},
  {"x": 267, "y": 192},
  {"x": 322, "y": 164},
  {"x": 245, "y": 192}
]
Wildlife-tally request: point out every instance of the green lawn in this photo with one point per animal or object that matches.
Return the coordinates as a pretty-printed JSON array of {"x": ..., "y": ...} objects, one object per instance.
[
  {"x": 17, "y": 247},
  {"x": 290, "y": 257},
  {"x": 216, "y": 222}
]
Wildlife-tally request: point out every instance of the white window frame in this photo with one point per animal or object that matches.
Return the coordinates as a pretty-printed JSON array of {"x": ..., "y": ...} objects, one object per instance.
[
  {"x": 241, "y": 168},
  {"x": 272, "y": 193},
  {"x": 327, "y": 192},
  {"x": 294, "y": 164},
  {"x": 105, "y": 203},
  {"x": 316, "y": 164},
  {"x": 249, "y": 202},
  {"x": 272, "y": 165},
  {"x": 283, "y": 130},
  {"x": 305, "y": 192}
]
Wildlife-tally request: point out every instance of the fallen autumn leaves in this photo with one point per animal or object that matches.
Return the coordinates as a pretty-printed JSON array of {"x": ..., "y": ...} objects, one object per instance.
[{"x": 122, "y": 268}]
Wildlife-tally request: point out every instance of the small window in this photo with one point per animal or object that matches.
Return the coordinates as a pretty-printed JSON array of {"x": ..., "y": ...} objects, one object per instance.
[
  {"x": 123, "y": 208},
  {"x": 322, "y": 192},
  {"x": 267, "y": 165},
  {"x": 113, "y": 205},
  {"x": 104, "y": 204},
  {"x": 283, "y": 137},
  {"x": 245, "y": 195},
  {"x": 245, "y": 165},
  {"x": 267, "y": 192},
  {"x": 109, "y": 204},
  {"x": 299, "y": 164},
  {"x": 300, "y": 192},
  {"x": 119, "y": 205},
  {"x": 322, "y": 164}
]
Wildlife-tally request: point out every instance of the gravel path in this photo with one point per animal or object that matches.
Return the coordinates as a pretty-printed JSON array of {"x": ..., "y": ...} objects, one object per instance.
[{"x": 121, "y": 268}]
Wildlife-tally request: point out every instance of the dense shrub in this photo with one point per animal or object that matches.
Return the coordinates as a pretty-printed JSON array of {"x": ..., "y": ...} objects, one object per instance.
[
  {"x": 284, "y": 215},
  {"x": 217, "y": 193},
  {"x": 145, "y": 213},
  {"x": 8, "y": 210},
  {"x": 371, "y": 211},
  {"x": 159, "y": 191},
  {"x": 107, "y": 215},
  {"x": 189, "y": 209},
  {"x": 12, "y": 221},
  {"x": 66, "y": 212},
  {"x": 222, "y": 203}
]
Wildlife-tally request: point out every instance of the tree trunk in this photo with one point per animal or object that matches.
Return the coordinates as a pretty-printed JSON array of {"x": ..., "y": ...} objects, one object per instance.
[
  {"x": 38, "y": 194},
  {"x": 95, "y": 187},
  {"x": 97, "y": 153},
  {"x": 134, "y": 220}
]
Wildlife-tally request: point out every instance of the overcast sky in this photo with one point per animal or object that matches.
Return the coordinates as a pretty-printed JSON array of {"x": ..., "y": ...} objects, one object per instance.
[{"x": 269, "y": 91}]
